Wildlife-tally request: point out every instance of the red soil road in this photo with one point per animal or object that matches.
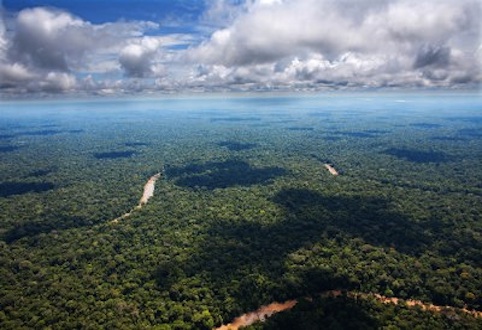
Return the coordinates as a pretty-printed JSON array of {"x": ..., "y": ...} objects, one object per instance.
[
  {"x": 260, "y": 314},
  {"x": 266, "y": 311}
]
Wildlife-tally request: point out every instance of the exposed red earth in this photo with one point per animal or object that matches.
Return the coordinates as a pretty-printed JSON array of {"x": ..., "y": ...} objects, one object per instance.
[{"x": 266, "y": 311}]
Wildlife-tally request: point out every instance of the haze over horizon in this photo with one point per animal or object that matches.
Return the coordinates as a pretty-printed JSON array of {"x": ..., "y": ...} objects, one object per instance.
[{"x": 159, "y": 46}]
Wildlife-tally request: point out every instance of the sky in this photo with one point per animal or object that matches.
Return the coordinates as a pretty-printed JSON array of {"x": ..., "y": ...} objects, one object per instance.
[{"x": 124, "y": 47}]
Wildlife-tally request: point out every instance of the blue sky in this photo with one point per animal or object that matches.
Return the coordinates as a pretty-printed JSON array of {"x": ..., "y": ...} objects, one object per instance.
[
  {"x": 98, "y": 12},
  {"x": 159, "y": 46}
]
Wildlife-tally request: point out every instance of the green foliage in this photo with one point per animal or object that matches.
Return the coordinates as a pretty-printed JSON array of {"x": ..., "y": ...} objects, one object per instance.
[{"x": 244, "y": 215}]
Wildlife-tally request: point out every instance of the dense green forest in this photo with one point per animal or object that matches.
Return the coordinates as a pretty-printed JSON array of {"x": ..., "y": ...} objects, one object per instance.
[{"x": 244, "y": 214}]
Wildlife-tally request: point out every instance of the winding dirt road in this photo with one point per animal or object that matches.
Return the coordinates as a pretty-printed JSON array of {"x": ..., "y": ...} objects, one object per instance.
[{"x": 262, "y": 313}]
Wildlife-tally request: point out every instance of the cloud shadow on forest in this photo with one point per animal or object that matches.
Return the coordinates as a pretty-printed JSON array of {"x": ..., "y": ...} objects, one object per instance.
[
  {"x": 6, "y": 136},
  {"x": 342, "y": 312},
  {"x": 45, "y": 132},
  {"x": 425, "y": 125},
  {"x": 232, "y": 249},
  {"x": 224, "y": 174},
  {"x": 359, "y": 135},
  {"x": 5, "y": 149},
  {"x": 40, "y": 172},
  {"x": 8, "y": 189},
  {"x": 234, "y": 119},
  {"x": 466, "y": 119},
  {"x": 418, "y": 156},
  {"x": 471, "y": 133},
  {"x": 449, "y": 138},
  {"x": 136, "y": 144},
  {"x": 301, "y": 128},
  {"x": 237, "y": 146},
  {"x": 32, "y": 228},
  {"x": 114, "y": 154},
  {"x": 365, "y": 217},
  {"x": 331, "y": 138}
]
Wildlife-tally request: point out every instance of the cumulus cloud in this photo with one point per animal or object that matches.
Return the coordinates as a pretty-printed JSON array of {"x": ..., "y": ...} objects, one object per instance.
[
  {"x": 248, "y": 45},
  {"x": 358, "y": 42},
  {"x": 53, "y": 39},
  {"x": 137, "y": 58},
  {"x": 48, "y": 39},
  {"x": 48, "y": 46},
  {"x": 57, "y": 82},
  {"x": 3, "y": 38},
  {"x": 14, "y": 73},
  {"x": 276, "y": 29}
]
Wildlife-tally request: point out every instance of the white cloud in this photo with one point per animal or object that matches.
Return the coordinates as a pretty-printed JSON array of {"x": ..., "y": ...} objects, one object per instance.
[
  {"x": 48, "y": 46},
  {"x": 137, "y": 59},
  {"x": 221, "y": 12},
  {"x": 248, "y": 45},
  {"x": 15, "y": 72},
  {"x": 362, "y": 43},
  {"x": 3, "y": 38},
  {"x": 58, "y": 82},
  {"x": 269, "y": 32},
  {"x": 54, "y": 39},
  {"x": 49, "y": 39}
]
